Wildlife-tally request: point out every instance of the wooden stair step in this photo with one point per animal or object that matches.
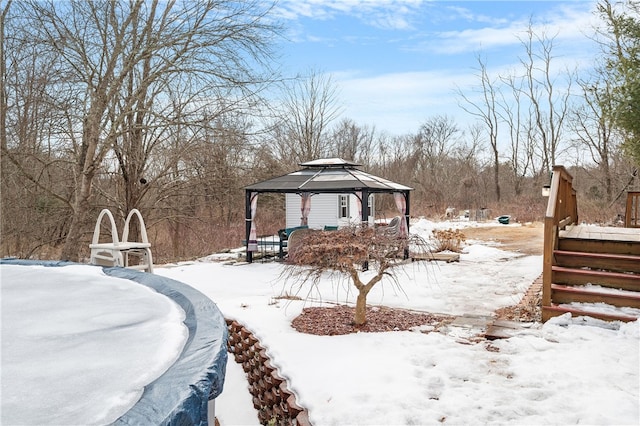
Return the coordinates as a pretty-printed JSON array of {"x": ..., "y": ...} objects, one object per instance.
[
  {"x": 573, "y": 276},
  {"x": 567, "y": 294},
  {"x": 599, "y": 246},
  {"x": 608, "y": 261},
  {"x": 556, "y": 310}
]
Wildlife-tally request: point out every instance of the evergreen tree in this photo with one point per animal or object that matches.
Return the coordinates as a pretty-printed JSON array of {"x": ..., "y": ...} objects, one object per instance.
[{"x": 623, "y": 70}]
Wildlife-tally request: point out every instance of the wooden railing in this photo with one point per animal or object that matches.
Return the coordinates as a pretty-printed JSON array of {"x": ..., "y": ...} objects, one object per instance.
[
  {"x": 632, "y": 213},
  {"x": 562, "y": 210}
]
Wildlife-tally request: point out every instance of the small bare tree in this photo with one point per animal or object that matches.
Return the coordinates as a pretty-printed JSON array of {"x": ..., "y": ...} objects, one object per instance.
[{"x": 345, "y": 251}]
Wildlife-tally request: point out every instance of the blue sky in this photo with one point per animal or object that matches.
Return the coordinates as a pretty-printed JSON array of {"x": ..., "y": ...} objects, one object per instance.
[{"x": 397, "y": 63}]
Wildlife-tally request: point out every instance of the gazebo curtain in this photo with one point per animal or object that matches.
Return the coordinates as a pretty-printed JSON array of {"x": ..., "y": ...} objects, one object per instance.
[
  {"x": 253, "y": 239},
  {"x": 401, "y": 205},
  {"x": 359, "y": 198},
  {"x": 305, "y": 208}
]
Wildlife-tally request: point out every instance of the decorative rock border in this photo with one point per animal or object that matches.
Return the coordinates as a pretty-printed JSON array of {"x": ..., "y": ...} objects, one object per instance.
[
  {"x": 275, "y": 403},
  {"x": 529, "y": 298}
]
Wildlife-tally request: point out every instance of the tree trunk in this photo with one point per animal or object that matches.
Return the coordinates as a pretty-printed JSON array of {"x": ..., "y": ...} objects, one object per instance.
[
  {"x": 71, "y": 248},
  {"x": 87, "y": 165},
  {"x": 608, "y": 186},
  {"x": 361, "y": 308},
  {"x": 496, "y": 175},
  {"x": 3, "y": 100}
]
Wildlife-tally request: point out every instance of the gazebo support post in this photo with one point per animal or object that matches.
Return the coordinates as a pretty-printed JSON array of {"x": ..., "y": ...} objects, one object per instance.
[
  {"x": 365, "y": 207},
  {"x": 406, "y": 247},
  {"x": 364, "y": 220},
  {"x": 247, "y": 222}
]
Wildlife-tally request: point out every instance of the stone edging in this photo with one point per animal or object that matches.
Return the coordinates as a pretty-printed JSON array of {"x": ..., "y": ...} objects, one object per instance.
[
  {"x": 529, "y": 298},
  {"x": 275, "y": 403}
]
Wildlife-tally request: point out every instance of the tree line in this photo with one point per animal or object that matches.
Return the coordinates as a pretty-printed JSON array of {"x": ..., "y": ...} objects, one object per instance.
[{"x": 173, "y": 107}]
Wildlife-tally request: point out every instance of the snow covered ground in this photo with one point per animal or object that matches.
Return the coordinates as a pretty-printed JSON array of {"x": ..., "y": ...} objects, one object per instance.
[{"x": 566, "y": 371}]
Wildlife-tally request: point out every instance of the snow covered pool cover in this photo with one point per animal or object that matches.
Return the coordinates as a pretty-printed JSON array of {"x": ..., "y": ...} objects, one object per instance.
[{"x": 90, "y": 345}]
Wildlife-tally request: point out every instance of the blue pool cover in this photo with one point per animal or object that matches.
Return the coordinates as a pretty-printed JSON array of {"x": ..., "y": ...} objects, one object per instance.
[{"x": 180, "y": 396}]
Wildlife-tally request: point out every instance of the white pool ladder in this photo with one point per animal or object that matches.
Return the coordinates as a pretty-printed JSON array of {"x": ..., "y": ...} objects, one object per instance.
[{"x": 116, "y": 252}]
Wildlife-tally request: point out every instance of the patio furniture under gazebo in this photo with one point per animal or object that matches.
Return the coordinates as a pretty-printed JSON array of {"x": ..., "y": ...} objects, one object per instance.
[{"x": 324, "y": 176}]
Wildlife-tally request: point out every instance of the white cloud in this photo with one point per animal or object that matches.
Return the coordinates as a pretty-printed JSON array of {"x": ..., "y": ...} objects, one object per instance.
[
  {"x": 385, "y": 14},
  {"x": 454, "y": 42},
  {"x": 457, "y": 12},
  {"x": 565, "y": 24}
]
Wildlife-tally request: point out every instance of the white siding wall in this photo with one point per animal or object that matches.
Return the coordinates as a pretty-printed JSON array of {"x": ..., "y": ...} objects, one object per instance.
[{"x": 324, "y": 211}]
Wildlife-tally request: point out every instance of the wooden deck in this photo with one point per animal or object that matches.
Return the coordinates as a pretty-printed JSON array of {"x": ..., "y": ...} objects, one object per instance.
[{"x": 608, "y": 233}]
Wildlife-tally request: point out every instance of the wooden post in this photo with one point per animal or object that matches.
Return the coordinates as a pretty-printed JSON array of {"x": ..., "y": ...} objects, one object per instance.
[
  {"x": 632, "y": 210},
  {"x": 561, "y": 210}
]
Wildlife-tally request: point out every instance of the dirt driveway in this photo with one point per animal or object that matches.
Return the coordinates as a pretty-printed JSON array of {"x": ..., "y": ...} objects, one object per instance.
[{"x": 527, "y": 239}]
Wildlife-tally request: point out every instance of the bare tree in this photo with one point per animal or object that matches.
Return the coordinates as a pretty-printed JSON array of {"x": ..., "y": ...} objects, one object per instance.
[
  {"x": 124, "y": 61},
  {"x": 548, "y": 94},
  {"x": 36, "y": 170},
  {"x": 352, "y": 142},
  {"x": 593, "y": 129},
  {"x": 534, "y": 111},
  {"x": 468, "y": 161},
  {"x": 515, "y": 114},
  {"x": 430, "y": 153},
  {"x": 486, "y": 110},
  {"x": 310, "y": 105},
  {"x": 3, "y": 92}
]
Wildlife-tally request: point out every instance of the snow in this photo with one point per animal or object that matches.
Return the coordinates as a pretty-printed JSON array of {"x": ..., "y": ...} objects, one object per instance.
[
  {"x": 78, "y": 347},
  {"x": 569, "y": 370}
]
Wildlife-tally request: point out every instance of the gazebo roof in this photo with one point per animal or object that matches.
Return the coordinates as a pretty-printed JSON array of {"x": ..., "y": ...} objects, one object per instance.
[{"x": 327, "y": 175}]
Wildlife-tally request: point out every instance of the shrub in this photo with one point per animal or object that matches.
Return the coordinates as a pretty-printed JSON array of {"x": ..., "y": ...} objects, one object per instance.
[{"x": 448, "y": 240}]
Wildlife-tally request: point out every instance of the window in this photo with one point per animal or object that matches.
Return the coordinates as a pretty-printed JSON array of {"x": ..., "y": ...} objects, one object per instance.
[{"x": 343, "y": 206}]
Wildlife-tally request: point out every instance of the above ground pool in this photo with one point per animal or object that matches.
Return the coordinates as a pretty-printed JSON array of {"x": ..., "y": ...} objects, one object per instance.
[{"x": 84, "y": 344}]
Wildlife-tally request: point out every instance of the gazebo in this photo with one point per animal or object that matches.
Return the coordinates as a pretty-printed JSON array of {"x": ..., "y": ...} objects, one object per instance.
[{"x": 324, "y": 176}]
